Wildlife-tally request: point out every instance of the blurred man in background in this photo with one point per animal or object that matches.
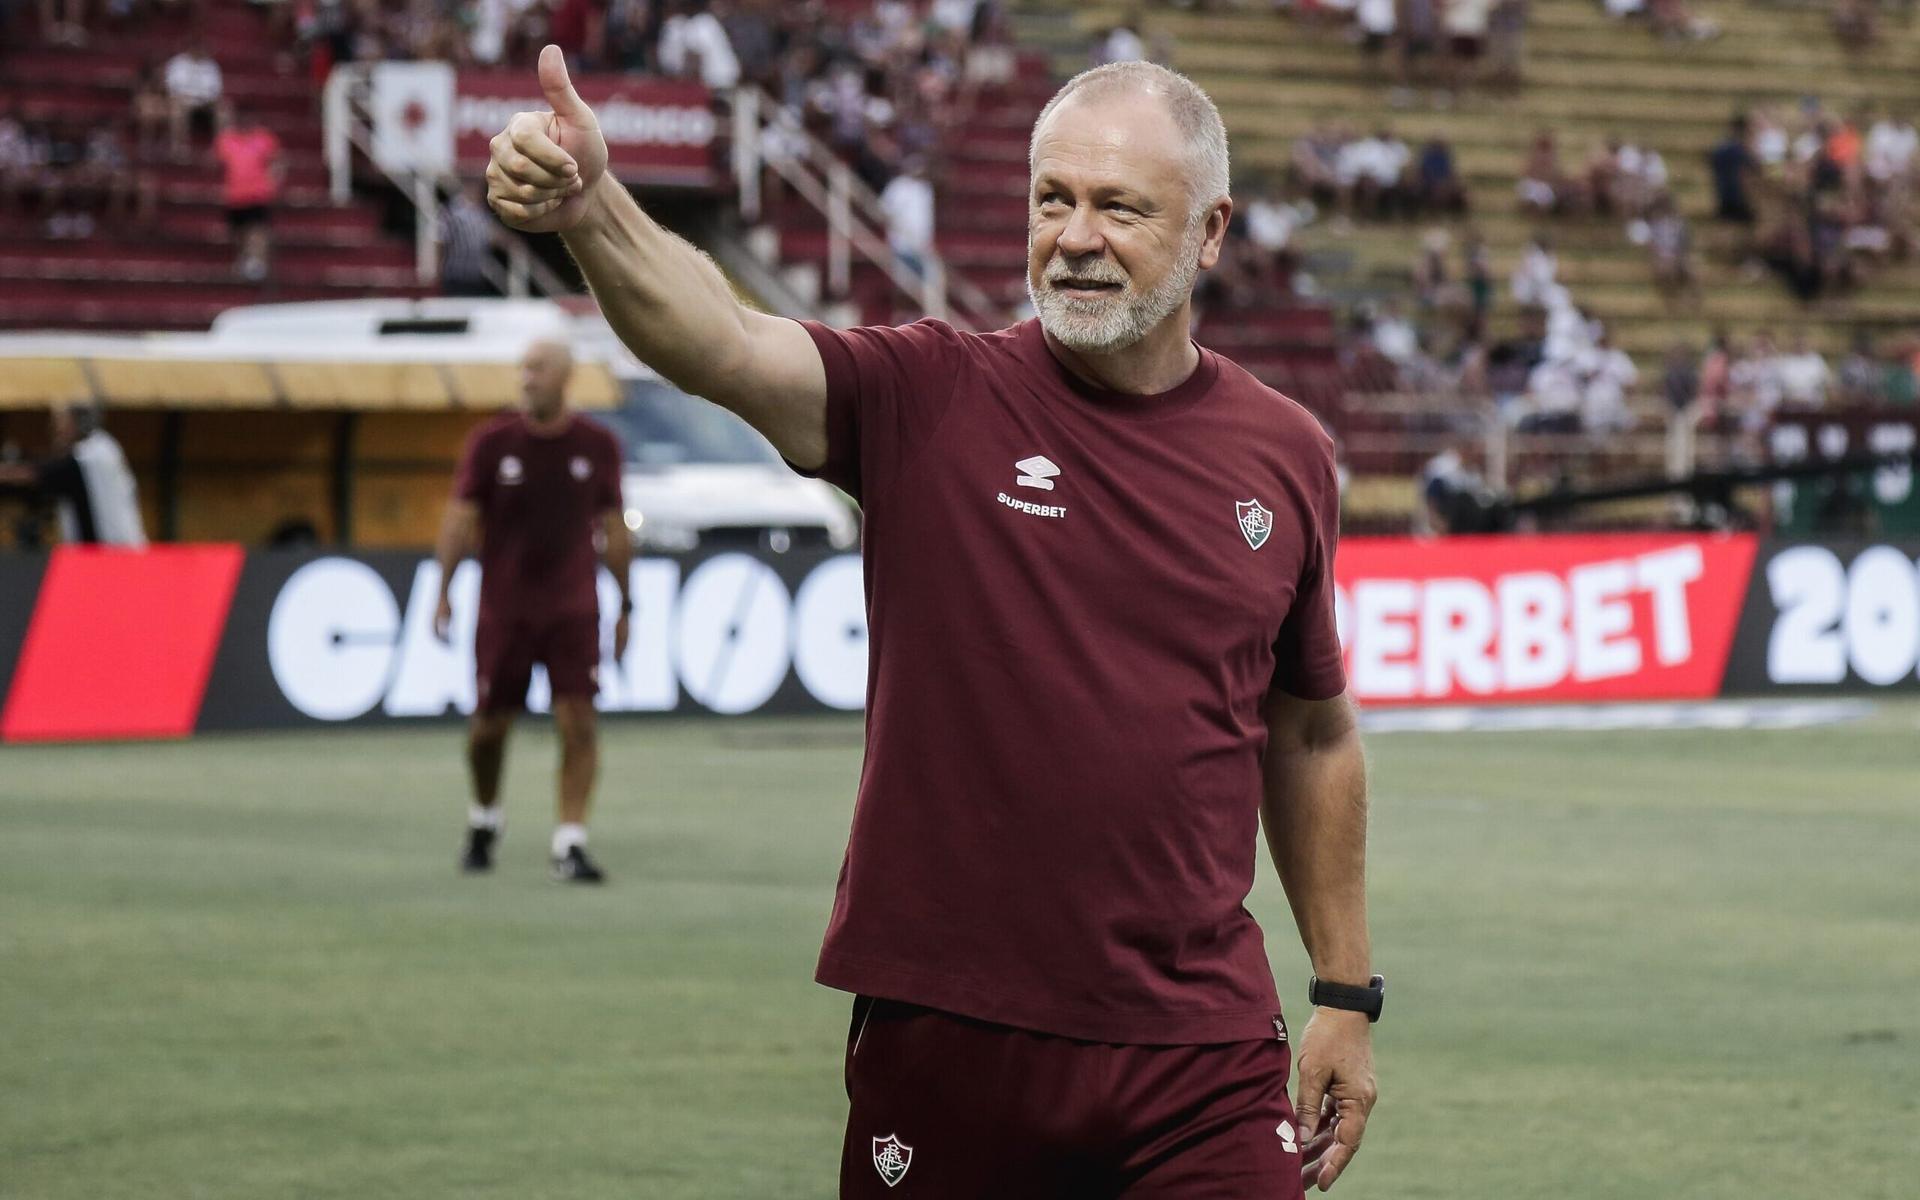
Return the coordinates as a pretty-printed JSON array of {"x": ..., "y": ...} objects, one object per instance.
[
  {"x": 87, "y": 480},
  {"x": 537, "y": 489}
]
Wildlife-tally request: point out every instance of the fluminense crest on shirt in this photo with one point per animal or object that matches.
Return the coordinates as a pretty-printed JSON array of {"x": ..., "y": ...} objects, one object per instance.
[
  {"x": 510, "y": 469},
  {"x": 579, "y": 467},
  {"x": 892, "y": 1157},
  {"x": 1256, "y": 521}
]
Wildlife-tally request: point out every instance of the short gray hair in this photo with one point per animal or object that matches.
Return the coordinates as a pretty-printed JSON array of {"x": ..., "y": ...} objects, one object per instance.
[{"x": 1191, "y": 108}]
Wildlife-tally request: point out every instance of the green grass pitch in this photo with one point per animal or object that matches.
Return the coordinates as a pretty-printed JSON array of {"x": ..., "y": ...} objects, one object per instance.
[{"x": 1621, "y": 964}]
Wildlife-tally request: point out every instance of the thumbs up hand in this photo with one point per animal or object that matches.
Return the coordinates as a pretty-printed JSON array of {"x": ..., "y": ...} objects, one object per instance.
[{"x": 545, "y": 164}]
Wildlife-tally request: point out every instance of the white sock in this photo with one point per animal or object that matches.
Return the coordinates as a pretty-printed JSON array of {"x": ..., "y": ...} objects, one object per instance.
[
  {"x": 481, "y": 817},
  {"x": 566, "y": 837}
]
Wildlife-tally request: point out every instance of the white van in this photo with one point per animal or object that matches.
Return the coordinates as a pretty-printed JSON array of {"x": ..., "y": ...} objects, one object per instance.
[{"x": 695, "y": 473}]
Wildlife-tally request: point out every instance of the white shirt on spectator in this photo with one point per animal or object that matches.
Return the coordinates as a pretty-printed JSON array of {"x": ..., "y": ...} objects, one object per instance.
[
  {"x": 1123, "y": 45},
  {"x": 1394, "y": 337},
  {"x": 1533, "y": 275},
  {"x": 1375, "y": 16},
  {"x": 1270, "y": 223},
  {"x": 908, "y": 202},
  {"x": 1379, "y": 159},
  {"x": 1890, "y": 149},
  {"x": 955, "y": 15},
  {"x": 1609, "y": 373},
  {"x": 701, "y": 34},
  {"x": 193, "y": 79},
  {"x": 1804, "y": 379},
  {"x": 1467, "y": 18}
]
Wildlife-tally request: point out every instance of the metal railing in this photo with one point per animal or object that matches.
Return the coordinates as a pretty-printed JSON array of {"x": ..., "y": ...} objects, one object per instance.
[
  {"x": 769, "y": 136},
  {"x": 347, "y": 128}
]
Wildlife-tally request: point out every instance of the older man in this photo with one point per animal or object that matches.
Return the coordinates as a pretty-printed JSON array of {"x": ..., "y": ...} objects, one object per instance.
[
  {"x": 1100, "y": 600},
  {"x": 539, "y": 493}
]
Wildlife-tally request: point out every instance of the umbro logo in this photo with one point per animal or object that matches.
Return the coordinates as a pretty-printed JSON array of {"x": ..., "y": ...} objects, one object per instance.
[
  {"x": 1288, "y": 1142},
  {"x": 1036, "y": 472}
]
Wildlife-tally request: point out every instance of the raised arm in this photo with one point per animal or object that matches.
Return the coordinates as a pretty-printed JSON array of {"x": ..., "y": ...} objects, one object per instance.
[
  {"x": 666, "y": 300},
  {"x": 1314, "y": 808}
]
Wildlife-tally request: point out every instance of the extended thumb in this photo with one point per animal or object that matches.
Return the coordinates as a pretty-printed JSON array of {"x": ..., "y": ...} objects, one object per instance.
[{"x": 561, "y": 98}]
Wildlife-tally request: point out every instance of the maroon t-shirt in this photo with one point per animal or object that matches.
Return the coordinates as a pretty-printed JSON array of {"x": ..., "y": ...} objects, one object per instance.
[
  {"x": 540, "y": 497},
  {"x": 1076, "y": 603}
]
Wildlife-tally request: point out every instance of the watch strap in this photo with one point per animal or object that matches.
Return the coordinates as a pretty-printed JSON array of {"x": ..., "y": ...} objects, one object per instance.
[{"x": 1349, "y": 997}]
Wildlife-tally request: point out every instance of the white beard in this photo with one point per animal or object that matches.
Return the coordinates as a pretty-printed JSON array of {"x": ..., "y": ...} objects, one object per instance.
[{"x": 1118, "y": 320}]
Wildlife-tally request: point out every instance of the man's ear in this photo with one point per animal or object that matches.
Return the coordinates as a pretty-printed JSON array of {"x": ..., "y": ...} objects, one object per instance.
[{"x": 1216, "y": 235}]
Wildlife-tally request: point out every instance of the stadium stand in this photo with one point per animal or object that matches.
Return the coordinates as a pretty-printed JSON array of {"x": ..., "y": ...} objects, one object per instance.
[{"x": 175, "y": 270}]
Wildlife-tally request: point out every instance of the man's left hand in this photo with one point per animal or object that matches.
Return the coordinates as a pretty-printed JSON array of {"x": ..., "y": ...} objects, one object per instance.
[
  {"x": 621, "y": 628},
  {"x": 1336, "y": 1091}
]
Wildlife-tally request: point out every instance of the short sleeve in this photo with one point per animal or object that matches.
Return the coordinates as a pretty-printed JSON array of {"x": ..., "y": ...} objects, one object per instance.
[
  {"x": 1307, "y": 659},
  {"x": 887, "y": 390},
  {"x": 476, "y": 469}
]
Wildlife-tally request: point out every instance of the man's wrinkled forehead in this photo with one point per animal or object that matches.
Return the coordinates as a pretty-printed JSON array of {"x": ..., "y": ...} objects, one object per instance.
[{"x": 1124, "y": 135}]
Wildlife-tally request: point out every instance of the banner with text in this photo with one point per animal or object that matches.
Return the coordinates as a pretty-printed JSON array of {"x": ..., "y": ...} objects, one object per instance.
[
  {"x": 660, "y": 132},
  {"x": 101, "y": 643}
]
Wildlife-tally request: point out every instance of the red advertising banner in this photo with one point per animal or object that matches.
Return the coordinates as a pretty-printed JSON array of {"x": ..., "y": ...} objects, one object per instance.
[
  {"x": 660, "y": 132},
  {"x": 121, "y": 643},
  {"x": 1539, "y": 618}
]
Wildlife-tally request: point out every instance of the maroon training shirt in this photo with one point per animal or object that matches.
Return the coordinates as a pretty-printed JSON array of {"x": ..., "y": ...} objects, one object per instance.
[
  {"x": 540, "y": 498},
  {"x": 1076, "y": 601}
]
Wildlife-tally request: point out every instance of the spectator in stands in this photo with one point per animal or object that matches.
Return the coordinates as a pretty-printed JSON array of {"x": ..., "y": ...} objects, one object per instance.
[
  {"x": 107, "y": 176},
  {"x": 1861, "y": 376},
  {"x": 1121, "y": 43},
  {"x": 1803, "y": 374},
  {"x": 1466, "y": 23},
  {"x": 1376, "y": 20},
  {"x": 1418, "y": 41},
  {"x": 1606, "y": 373},
  {"x": 1271, "y": 221},
  {"x": 1536, "y": 274},
  {"x": 1315, "y": 162},
  {"x": 907, "y": 201},
  {"x": 1889, "y": 152},
  {"x": 1713, "y": 403},
  {"x": 1754, "y": 384},
  {"x": 1670, "y": 247},
  {"x": 152, "y": 110},
  {"x": 1544, "y": 189},
  {"x": 1394, "y": 336},
  {"x": 1733, "y": 166},
  {"x": 64, "y": 22},
  {"x": 1679, "y": 379},
  {"x": 194, "y": 88},
  {"x": 251, "y": 171},
  {"x": 1436, "y": 185},
  {"x": 1432, "y": 282},
  {"x": 1478, "y": 276},
  {"x": 469, "y": 235},
  {"x": 1373, "y": 174},
  {"x": 1453, "y": 496},
  {"x": 87, "y": 480},
  {"x": 1855, "y": 24},
  {"x": 1506, "y": 42},
  {"x": 694, "y": 45},
  {"x": 20, "y": 162}
]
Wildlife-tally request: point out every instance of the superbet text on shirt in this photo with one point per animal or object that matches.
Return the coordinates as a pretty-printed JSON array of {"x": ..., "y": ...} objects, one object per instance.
[{"x": 1077, "y": 602}]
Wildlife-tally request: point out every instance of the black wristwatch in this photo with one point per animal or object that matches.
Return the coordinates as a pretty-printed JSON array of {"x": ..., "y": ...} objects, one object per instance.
[
  {"x": 1368, "y": 999},
  {"x": 626, "y": 607}
]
